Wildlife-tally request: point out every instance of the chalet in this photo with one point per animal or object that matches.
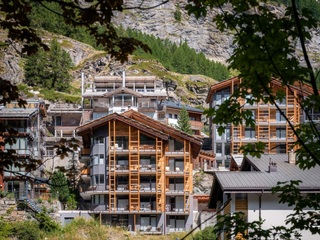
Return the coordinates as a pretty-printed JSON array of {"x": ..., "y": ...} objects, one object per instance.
[
  {"x": 271, "y": 127},
  {"x": 139, "y": 173}
]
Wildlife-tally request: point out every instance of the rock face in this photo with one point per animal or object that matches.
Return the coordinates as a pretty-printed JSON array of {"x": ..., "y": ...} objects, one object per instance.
[
  {"x": 162, "y": 21},
  {"x": 200, "y": 34}
]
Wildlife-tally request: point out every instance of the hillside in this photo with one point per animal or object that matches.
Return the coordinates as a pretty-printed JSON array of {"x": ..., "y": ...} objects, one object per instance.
[{"x": 191, "y": 89}]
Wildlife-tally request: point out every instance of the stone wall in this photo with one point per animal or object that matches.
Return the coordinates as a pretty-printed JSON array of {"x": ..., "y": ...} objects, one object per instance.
[{"x": 9, "y": 210}]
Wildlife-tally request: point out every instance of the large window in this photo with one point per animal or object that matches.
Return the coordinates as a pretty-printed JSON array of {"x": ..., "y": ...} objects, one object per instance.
[
  {"x": 250, "y": 132},
  {"x": 279, "y": 117},
  {"x": 97, "y": 179},
  {"x": 281, "y": 132},
  {"x": 221, "y": 96},
  {"x": 98, "y": 199},
  {"x": 21, "y": 143},
  {"x": 98, "y": 159}
]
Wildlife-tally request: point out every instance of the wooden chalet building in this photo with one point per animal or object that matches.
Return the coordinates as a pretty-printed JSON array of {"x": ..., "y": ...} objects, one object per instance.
[
  {"x": 139, "y": 173},
  {"x": 271, "y": 127}
]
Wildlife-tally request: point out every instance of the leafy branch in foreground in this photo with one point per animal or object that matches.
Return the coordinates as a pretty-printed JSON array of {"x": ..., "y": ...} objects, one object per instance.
[{"x": 271, "y": 45}]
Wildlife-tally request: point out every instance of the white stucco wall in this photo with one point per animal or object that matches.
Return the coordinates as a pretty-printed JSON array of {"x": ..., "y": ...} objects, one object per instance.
[{"x": 272, "y": 212}]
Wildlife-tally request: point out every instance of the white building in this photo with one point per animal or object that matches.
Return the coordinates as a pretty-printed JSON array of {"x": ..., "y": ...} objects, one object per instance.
[{"x": 250, "y": 189}]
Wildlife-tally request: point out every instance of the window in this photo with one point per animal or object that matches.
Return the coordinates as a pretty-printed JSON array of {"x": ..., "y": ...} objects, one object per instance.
[
  {"x": 219, "y": 148},
  {"x": 98, "y": 140},
  {"x": 97, "y": 199},
  {"x": 21, "y": 143},
  {"x": 281, "y": 148},
  {"x": 221, "y": 96},
  {"x": 97, "y": 179},
  {"x": 250, "y": 132},
  {"x": 58, "y": 121},
  {"x": 281, "y": 132},
  {"x": 217, "y": 136},
  {"x": 101, "y": 158},
  {"x": 279, "y": 117},
  {"x": 68, "y": 220},
  {"x": 227, "y": 133},
  {"x": 227, "y": 148}
]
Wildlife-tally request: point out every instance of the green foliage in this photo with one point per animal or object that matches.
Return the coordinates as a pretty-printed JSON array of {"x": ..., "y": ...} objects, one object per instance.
[
  {"x": 180, "y": 59},
  {"x": 49, "y": 69},
  {"x": 46, "y": 223},
  {"x": 183, "y": 123},
  {"x": 177, "y": 14},
  {"x": 266, "y": 49},
  {"x": 27, "y": 230},
  {"x": 53, "y": 96},
  {"x": 59, "y": 186},
  {"x": 72, "y": 202},
  {"x": 5, "y": 229},
  {"x": 205, "y": 234}
]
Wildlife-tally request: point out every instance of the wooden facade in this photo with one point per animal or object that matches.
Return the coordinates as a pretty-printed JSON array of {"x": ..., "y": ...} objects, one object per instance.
[
  {"x": 148, "y": 171},
  {"x": 275, "y": 130}
]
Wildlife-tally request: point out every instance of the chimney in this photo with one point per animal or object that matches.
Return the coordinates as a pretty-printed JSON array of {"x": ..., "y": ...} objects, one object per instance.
[
  {"x": 292, "y": 157},
  {"x": 272, "y": 166}
]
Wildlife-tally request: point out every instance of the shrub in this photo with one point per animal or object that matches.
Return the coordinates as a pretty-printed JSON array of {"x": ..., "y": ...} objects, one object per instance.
[
  {"x": 27, "y": 230},
  {"x": 205, "y": 234},
  {"x": 177, "y": 15}
]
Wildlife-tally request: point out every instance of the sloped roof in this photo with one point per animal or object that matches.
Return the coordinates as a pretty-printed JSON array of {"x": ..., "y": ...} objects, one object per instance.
[
  {"x": 81, "y": 130},
  {"x": 17, "y": 112},
  {"x": 263, "y": 180},
  {"x": 178, "y": 105},
  {"x": 145, "y": 124},
  {"x": 302, "y": 88}
]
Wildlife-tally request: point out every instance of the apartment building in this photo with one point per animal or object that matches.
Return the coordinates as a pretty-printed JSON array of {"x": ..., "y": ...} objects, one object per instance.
[
  {"x": 61, "y": 122},
  {"x": 145, "y": 94},
  {"x": 109, "y": 94},
  {"x": 27, "y": 122},
  {"x": 139, "y": 173},
  {"x": 271, "y": 127}
]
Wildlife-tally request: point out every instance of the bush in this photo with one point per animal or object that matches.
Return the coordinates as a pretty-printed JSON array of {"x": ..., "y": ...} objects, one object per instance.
[
  {"x": 205, "y": 234},
  {"x": 46, "y": 223},
  {"x": 27, "y": 230},
  {"x": 177, "y": 15},
  {"x": 5, "y": 229}
]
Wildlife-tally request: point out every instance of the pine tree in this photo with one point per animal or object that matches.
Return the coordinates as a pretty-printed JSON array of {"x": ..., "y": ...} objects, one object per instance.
[
  {"x": 59, "y": 186},
  {"x": 49, "y": 69},
  {"x": 184, "y": 121}
]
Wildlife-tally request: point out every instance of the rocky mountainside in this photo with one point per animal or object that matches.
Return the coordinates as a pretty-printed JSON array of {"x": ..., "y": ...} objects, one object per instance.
[{"x": 200, "y": 34}]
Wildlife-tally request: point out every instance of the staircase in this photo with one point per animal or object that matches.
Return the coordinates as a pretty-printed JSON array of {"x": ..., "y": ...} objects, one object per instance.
[{"x": 32, "y": 205}]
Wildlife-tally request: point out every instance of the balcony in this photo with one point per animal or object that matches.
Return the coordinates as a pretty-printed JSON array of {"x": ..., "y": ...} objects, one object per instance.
[
  {"x": 62, "y": 132},
  {"x": 146, "y": 106},
  {"x": 174, "y": 171},
  {"x": 197, "y": 125},
  {"x": 144, "y": 148}
]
